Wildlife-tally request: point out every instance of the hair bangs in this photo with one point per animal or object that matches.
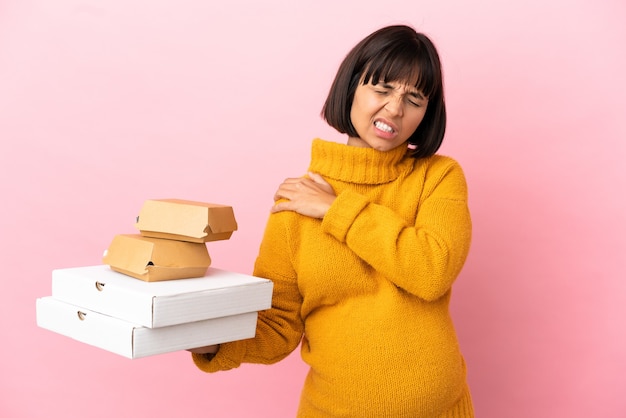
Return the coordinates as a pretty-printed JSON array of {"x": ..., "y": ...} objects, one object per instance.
[{"x": 404, "y": 64}]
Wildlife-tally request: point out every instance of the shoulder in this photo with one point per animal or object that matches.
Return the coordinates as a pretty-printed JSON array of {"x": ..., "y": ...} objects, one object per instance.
[
  {"x": 443, "y": 171},
  {"x": 441, "y": 162}
]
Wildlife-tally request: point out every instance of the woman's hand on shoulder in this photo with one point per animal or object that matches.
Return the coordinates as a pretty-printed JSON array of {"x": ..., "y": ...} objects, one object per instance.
[{"x": 310, "y": 196}]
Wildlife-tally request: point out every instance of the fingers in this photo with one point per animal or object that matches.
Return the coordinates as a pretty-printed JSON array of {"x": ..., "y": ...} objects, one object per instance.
[
  {"x": 311, "y": 196},
  {"x": 286, "y": 189},
  {"x": 289, "y": 187},
  {"x": 316, "y": 178},
  {"x": 279, "y": 207},
  {"x": 321, "y": 182},
  {"x": 313, "y": 181}
]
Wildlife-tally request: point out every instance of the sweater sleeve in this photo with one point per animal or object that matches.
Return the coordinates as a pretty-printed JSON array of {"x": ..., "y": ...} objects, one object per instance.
[
  {"x": 280, "y": 328},
  {"x": 423, "y": 258}
]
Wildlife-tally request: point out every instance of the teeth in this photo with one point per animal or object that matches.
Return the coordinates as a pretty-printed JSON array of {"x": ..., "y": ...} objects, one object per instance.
[{"x": 383, "y": 126}]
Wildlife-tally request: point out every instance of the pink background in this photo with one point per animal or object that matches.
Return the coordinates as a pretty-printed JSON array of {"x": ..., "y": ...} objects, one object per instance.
[{"x": 106, "y": 104}]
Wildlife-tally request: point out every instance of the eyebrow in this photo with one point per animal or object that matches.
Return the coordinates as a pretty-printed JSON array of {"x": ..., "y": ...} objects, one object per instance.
[{"x": 415, "y": 94}]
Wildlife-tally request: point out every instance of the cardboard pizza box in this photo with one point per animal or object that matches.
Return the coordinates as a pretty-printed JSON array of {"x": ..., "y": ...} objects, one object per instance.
[
  {"x": 157, "y": 304},
  {"x": 134, "y": 341}
]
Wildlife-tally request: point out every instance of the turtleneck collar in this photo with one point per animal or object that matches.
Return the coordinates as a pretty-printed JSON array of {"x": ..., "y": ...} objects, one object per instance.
[{"x": 358, "y": 165}]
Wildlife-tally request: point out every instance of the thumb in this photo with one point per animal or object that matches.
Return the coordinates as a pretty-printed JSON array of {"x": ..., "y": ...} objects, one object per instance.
[{"x": 317, "y": 178}]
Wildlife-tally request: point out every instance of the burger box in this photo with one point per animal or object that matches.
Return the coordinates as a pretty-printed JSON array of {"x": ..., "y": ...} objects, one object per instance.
[
  {"x": 186, "y": 220},
  {"x": 134, "y": 341},
  {"x": 219, "y": 293},
  {"x": 156, "y": 259}
]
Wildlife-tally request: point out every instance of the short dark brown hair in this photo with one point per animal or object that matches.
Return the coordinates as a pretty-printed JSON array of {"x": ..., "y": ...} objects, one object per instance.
[{"x": 392, "y": 53}]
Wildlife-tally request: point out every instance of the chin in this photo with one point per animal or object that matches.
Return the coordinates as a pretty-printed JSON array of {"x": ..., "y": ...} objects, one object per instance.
[{"x": 386, "y": 146}]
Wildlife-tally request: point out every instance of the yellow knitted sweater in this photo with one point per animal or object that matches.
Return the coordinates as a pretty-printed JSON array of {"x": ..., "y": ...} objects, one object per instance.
[{"x": 367, "y": 288}]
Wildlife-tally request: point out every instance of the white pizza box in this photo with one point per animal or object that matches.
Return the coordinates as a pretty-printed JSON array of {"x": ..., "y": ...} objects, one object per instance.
[
  {"x": 158, "y": 304},
  {"x": 134, "y": 341}
]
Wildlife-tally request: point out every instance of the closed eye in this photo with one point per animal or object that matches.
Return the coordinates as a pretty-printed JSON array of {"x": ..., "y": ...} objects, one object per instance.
[
  {"x": 413, "y": 98},
  {"x": 414, "y": 102},
  {"x": 416, "y": 98}
]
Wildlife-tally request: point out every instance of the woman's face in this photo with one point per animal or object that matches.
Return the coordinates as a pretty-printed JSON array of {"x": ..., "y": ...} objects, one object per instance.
[{"x": 385, "y": 115}]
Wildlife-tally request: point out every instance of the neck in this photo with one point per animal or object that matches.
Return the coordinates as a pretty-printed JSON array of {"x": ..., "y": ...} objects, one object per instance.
[{"x": 358, "y": 164}]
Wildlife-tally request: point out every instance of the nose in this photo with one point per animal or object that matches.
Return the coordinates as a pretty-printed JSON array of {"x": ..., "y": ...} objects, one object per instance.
[{"x": 395, "y": 105}]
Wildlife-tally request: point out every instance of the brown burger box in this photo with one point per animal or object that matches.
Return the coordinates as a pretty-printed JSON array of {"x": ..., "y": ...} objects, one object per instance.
[
  {"x": 186, "y": 220},
  {"x": 156, "y": 259}
]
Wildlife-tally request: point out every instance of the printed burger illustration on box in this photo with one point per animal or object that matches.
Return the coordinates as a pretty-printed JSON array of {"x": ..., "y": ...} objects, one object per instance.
[{"x": 156, "y": 292}]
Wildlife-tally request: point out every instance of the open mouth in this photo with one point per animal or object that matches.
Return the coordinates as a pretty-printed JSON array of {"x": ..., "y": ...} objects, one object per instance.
[{"x": 383, "y": 127}]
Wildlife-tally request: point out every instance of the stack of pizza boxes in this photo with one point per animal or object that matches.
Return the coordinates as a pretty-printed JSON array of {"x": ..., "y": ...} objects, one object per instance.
[{"x": 156, "y": 291}]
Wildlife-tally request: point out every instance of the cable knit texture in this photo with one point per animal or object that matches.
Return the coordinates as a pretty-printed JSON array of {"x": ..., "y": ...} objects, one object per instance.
[{"x": 367, "y": 289}]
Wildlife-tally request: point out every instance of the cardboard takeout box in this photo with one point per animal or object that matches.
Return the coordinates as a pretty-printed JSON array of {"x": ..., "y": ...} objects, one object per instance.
[
  {"x": 186, "y": 220},
  {"x": 156, "y": 259},
  {"x": 220, "y": 293},
  {"x": 134, "y": 341}
]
